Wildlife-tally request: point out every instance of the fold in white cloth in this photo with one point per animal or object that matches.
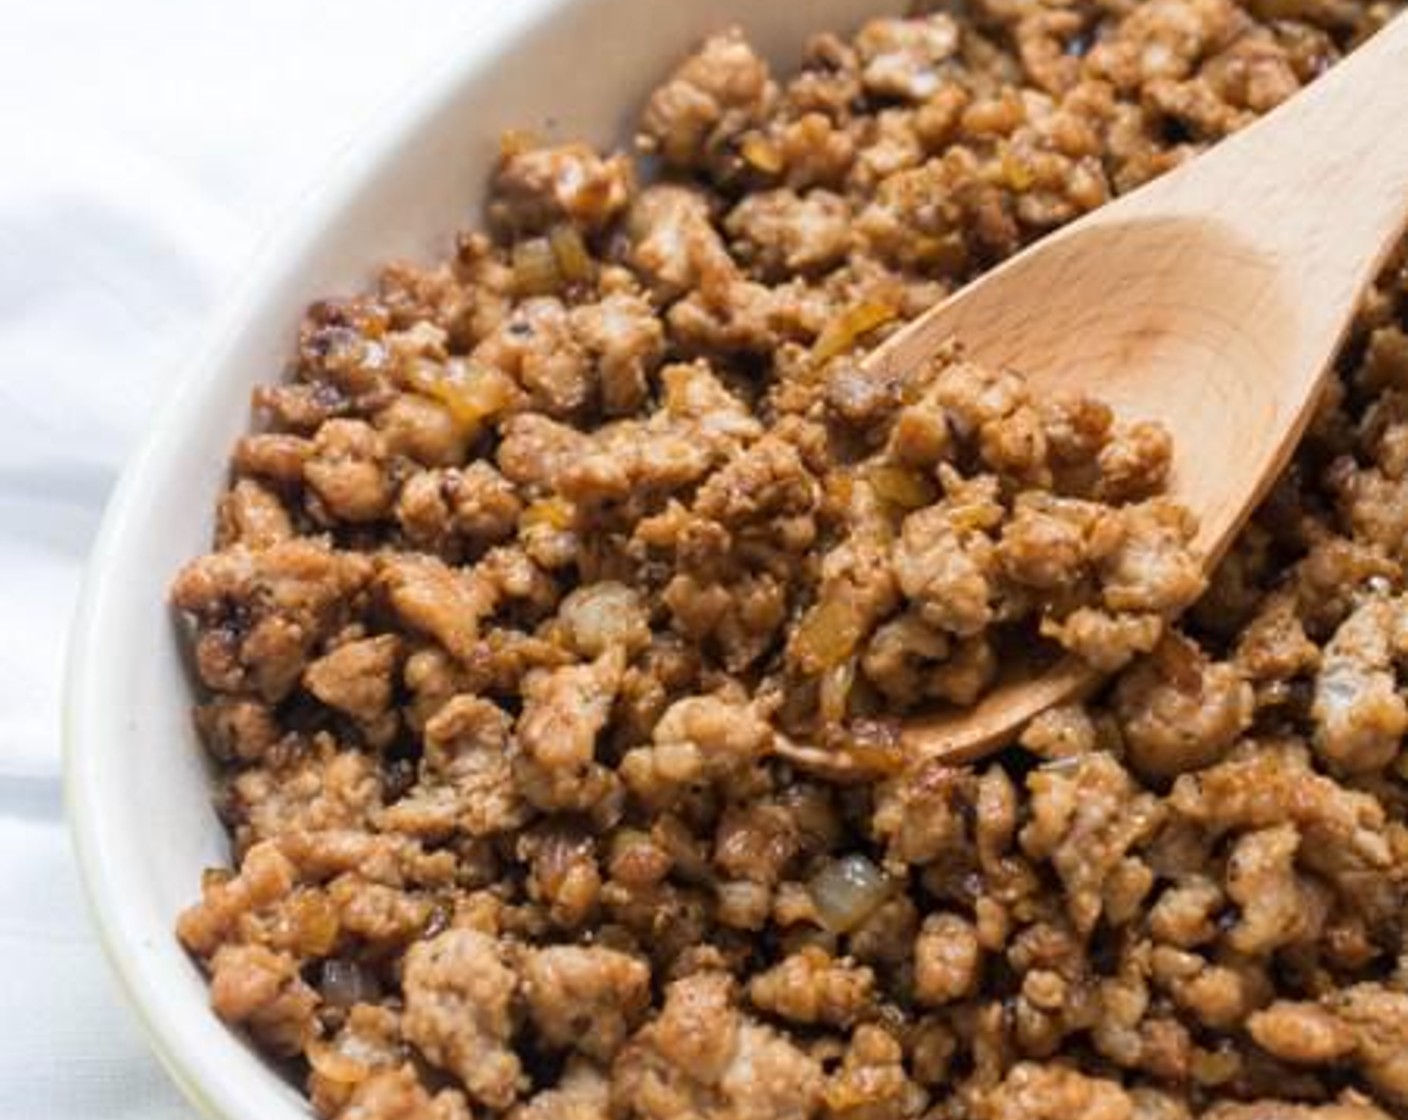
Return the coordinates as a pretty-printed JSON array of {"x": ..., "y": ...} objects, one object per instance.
[{"x": 145, "y": 147}]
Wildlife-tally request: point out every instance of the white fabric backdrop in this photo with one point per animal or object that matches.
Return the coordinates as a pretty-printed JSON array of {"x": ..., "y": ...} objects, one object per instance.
[{"x": 145, "y": 148}]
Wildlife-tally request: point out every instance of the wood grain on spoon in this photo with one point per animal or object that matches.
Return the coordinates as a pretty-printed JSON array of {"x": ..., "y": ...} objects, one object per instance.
[{"x": 1213, "y": 300}]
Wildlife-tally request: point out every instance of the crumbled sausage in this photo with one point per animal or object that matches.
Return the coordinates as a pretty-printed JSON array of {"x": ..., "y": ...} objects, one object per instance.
[
  {"x": 318, "y": 788},
  {"x": 459, "y": 1012},
  {"x": 1276, "y": 907},
  {"x": 1035, "y": 1092},
  {"x": 398, "y": 1094},
  {"x": 780, "y": 233},
  {"x": 902, "y": 57},
  {"x": 564, "y": 712},
  {"x": 625, "y": 339},
  {"x": 947, "y": 960},
  {"x": 465, "y": 778},
  {"x": 586, "y": 998},
  {"x": 699, "y": 738},
  {"x": 265, "y": 877},
  {"x": 429, "y": 596},
  {"x": 1360, "y": 715},
  {"x": 259, "y": 613},
  {"x": 261, "y": 989},
  {"x": 703, "y": 1057},
  {"x": 713, "y": 96},
  {"x": 445, "y": 511},
  {"x": 604, "y": 616},
  {"x": 535, "y": 346},
  {"x": 356, "y": 678},
  {"x": 583, "y": 1093},
  {"x": 253, "y": 515},
  {"x": 872, "y": 1081},
  {"x": 537, "y": 187},
  {"x": 674, "y": 245},
  {"x": 1179, "y": 711},
  {"x": 567, "y": 601},
  {"x": 1186, "y": 914},
  {"x": 811, "y": 987},
  {"x": 1084, "y": 818},
  {"x": 347, "y": 471},
  {"x": 1301, "y": 1033}
]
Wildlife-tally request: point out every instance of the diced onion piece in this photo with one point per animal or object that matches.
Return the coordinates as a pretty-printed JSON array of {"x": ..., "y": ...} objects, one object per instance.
[
  {"x": 1016, "y": 175},
  {"x": 344, "y": 983},
  {"x": 827, "y": 635},
  {"x": 848, "y": 890},
  {"x": 309, "y": 924},
  {"x": 574, "y": 263},
  {"x": 761, "y": 154},
  {"x": 976, "y": 514},
  {"x": 835, "y": 692},
  {"x": 535, "y": 271},
  {"x": 900, "y": 487},
  {"x": 946, "y": 255},
  {"x": 423, "y": 375},
  {"x": 331, "y": 1064},
  {"x": 840, "y": 488},
  {"x": 1214, "y": 1067},
  {"x": 842, "y": 332},
  {"x": 472, "y": 393},
  {"x": 555, "y": 513}
]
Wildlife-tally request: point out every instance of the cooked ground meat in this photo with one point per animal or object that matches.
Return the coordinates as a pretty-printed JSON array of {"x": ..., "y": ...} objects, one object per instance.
[
  {"x": 563, "y": 608},
  {"x": 459, "y": 1011}
]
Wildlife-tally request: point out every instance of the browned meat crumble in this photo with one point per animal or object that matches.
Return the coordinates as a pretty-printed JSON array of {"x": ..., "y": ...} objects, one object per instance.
[{"x": 564, "y": 604}]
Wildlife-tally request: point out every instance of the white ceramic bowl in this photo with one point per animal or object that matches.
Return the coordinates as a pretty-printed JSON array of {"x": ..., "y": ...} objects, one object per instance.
[{"x": 138, "y": 787}]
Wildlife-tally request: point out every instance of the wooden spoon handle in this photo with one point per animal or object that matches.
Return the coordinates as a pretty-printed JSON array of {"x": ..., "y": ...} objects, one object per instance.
[{"x": 1320, "y": 185}]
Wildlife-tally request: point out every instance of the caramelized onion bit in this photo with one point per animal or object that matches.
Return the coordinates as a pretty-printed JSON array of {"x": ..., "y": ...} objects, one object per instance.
[
  {"x": 827, "y": 635},
  {"x": 847, "y": 328},
  {"x": 471, "y": 392},
  {"x": 834, "y": 695},
  {"x": 761, "y": 154},
  {"x": 331, "y": 1064},
  {"x": 1014, "y": 173},
  {"x": 535, "y": 271},
  {"x": 308, "y": 924},
  {"x": 906, "y": 489},
  {"x": 944, "y": 256},
  {"x": 574, "y": 263},
  {"x": 556, "y": 513}
]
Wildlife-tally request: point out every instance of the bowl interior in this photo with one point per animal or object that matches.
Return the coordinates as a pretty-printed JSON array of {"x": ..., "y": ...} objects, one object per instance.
[{"x": 139, "y": 791}]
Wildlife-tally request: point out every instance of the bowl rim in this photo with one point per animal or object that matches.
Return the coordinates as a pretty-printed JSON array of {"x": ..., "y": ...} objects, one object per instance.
[{"x": 349, "y": 171}]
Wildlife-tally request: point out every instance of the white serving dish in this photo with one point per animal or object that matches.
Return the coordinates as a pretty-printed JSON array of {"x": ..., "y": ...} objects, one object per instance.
[{"x": 137, "y": 786}]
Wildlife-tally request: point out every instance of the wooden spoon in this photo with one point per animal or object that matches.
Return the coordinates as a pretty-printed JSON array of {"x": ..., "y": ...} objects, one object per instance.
[{"x": 1213, "y": 300}]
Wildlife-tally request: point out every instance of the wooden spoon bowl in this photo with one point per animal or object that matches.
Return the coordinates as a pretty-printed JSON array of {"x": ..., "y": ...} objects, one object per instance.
[{"x": 1213, "y": 300}]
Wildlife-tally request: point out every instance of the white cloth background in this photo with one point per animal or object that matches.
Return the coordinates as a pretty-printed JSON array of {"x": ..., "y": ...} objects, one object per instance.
[{"x": 146, "y": 146}]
